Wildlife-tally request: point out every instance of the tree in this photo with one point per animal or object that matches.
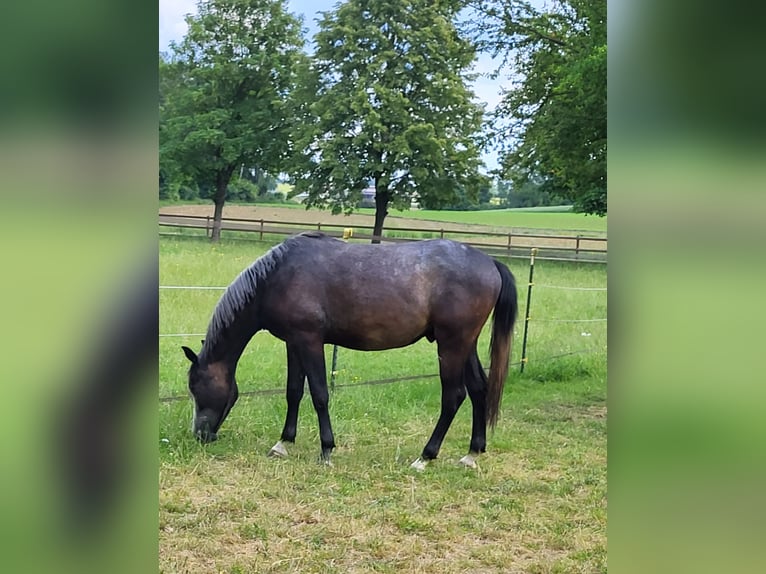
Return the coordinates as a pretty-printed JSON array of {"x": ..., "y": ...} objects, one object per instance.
[
  {"x": 224, "y": 92},
  {"x": 553, "y": 118},
  {"x": 385, "y": 103}
]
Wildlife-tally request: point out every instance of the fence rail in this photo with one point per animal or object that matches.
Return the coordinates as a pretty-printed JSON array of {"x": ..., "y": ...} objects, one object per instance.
[{"x": 582, "y": 248}]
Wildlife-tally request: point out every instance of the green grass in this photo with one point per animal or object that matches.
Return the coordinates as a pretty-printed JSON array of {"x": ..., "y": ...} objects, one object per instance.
[
  {"x": 171, "y": 202},
  {"x": 274, "y": 203},
  {"x": 505, "y": 218},
  {"x": 536, "y": 504}
]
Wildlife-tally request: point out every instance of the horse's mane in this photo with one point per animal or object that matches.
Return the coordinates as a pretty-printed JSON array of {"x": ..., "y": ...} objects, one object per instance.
[{"x": 242, "y": 291}]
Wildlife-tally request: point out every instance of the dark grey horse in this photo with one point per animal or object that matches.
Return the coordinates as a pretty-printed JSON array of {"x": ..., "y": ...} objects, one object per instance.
[{"x": 313, "y": 290}]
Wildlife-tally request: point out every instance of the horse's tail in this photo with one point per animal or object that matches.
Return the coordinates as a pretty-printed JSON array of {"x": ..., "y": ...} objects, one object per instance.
[{"x": 506, "y": 310}]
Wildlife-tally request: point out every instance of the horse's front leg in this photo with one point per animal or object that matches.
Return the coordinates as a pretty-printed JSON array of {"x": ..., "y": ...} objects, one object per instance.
[
  {"x": 295, "y": 379},
  {"x": 312, "y": 360}
]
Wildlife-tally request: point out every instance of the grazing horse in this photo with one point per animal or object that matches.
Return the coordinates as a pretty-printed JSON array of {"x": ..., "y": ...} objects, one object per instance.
[{"x": 313, "y": 290}]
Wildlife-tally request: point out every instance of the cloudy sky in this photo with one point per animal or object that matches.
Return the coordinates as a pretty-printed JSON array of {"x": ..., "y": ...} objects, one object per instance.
[{"x": 172, "y": 28}]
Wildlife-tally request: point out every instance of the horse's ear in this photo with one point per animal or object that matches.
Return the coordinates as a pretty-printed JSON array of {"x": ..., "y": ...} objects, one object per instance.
[
  {"x": 191, "y": 355},
  {"x": 203, "y": 342}
]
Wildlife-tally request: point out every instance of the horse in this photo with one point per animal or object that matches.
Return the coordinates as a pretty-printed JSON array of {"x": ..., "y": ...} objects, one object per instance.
[{"x": 312, "y": 290}]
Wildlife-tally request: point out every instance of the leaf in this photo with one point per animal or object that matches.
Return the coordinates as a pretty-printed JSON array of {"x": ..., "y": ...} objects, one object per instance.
[
  {"x": 388, "y": 105},
  {"x": 224, "y": 91},
  {"x": 551, "y": 122}
]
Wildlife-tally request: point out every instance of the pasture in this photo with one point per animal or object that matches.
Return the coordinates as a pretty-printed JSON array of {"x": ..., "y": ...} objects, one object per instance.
[
  {"x": 515, "y": 218},
  {"x": 537, "y": 503},
  {"x": 502, "y": 220}
]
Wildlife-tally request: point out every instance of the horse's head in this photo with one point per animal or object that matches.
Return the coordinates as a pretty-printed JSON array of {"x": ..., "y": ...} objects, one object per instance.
[{"x": 214, "y": 390}]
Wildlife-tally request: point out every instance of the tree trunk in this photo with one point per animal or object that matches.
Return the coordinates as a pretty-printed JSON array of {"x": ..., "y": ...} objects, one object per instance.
[
  {"x": 222, "y": 183},
  {"x": 381, "y": 209},
  {"x": 217, "y": 215}
]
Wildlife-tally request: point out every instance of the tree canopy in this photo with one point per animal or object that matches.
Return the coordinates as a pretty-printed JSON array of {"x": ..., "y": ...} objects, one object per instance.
[
  {"x": 386, "y": 103},
  {"x": 224, "y": 91},
  {"x": 551, "y": 122}
]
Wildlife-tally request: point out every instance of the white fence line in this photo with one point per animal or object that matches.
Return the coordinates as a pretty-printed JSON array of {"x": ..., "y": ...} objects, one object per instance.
[
  {"x": 207, "y": 287},
  {"x": 182, "y": 334},
  {"x": 567, "y": 320},
  {"x": 188, "y": 287},
  {"x": 571, "y": 288},
  {"x": 192, "y": 287}
]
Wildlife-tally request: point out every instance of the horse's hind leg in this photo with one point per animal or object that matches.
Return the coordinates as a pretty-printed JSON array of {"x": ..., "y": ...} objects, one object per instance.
[
  {"x": 295, "y": 379},
  {"x": 451, "y": 364},
  {"x": 312, "y": 359},
  {"x": 476, "y": 383}
]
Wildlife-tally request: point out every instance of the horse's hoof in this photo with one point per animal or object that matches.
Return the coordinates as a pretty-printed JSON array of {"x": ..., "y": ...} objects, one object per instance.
[
  {"x": 469, "y": 461},
  {"x": 419, "y": 464},
  {"x": 278, "y": 451}
]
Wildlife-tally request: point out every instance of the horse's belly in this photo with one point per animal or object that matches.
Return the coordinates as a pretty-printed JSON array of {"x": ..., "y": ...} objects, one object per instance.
[
  {"x": 376, "y": 337},
  {"x": 372, "y": 344}
]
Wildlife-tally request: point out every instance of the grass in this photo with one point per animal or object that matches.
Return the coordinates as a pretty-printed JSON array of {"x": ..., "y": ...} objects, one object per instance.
[
  {"x": 507, "y": 218},
  {"x": 497, "y": 219},
  {"x": 561, "y": 221},
  {"x": 536, "y": 504}
]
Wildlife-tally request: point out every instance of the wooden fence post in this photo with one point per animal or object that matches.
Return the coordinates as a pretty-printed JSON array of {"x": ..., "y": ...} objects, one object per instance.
[{"x": 562, "y": 241}]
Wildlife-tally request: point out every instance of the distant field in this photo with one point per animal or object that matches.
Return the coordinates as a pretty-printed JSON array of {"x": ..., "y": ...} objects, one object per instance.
[
  {"x": 562, "y": 221},
  {"x": 537, "y": 503},
  {"x": 499, "y": 219}
]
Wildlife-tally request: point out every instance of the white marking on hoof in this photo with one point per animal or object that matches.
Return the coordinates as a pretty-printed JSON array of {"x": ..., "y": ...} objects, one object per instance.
[
  {"x": 419, "y": 464},
  {"x": 278, "y": 450},
  {"x": 469, "y": 461}
]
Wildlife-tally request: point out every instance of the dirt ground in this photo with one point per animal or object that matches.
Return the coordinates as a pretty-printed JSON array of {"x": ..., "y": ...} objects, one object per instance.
[
  {"x": 287, "y": 214},
  {"x": 311, "y": 216}
]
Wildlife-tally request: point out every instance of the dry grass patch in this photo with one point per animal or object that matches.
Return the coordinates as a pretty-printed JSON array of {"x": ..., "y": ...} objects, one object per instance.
[{"x": 538, "y": 507}]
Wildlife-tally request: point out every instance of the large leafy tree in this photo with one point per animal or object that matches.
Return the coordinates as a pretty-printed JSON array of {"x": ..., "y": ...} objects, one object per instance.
[
  {"x": 224, "y": 93},
  {"x": 552, "y": 120},
  {"x": 385, "y": 102}
]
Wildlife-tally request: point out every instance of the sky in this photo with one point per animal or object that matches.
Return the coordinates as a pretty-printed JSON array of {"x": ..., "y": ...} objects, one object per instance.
[{"x": 172, "y": 28}]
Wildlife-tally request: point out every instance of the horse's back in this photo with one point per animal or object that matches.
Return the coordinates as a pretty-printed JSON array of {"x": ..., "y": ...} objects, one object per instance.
[
  {"x": 382, "y": 296},
  {"x": 411, "y": 266}
]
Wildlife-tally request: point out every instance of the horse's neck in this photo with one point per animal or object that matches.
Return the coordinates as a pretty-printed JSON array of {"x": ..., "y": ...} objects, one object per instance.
[
  {"x": 231, "y": 337},
  {"x": 229, "y": 346}
]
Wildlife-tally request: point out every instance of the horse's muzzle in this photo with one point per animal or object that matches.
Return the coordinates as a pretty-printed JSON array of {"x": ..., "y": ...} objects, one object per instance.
[{"x": 204, "y": 434}]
